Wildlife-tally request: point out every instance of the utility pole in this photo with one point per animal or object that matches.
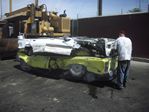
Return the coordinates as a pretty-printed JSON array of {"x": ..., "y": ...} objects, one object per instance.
[
  {"x": 1, "y": 9},
  {"x": 36, "y": 3},
  {"x": 140, "y": 4},
  {"x": 99, "y": 7},
  {"x": 10, "y": 7}
]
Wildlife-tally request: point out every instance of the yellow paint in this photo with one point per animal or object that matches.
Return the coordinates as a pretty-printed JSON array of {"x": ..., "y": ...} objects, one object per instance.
[{"x": 93, "y": 64}]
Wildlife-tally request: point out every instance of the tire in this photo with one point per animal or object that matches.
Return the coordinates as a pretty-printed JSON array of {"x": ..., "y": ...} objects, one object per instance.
[
  {"x": 24, "y": 66},
  {"x": 77, "y": 70}
]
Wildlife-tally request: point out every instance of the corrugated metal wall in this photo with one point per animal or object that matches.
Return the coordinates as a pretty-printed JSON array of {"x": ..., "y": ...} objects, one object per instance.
[{"x": 135, "y": 25}]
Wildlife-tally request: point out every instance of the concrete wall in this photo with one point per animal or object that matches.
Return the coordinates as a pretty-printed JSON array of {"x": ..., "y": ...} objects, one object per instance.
[{"x": 135, "y": 25}]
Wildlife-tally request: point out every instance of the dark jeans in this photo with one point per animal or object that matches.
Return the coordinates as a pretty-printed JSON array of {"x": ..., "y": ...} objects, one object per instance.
[{"x": 122, "y": 72}]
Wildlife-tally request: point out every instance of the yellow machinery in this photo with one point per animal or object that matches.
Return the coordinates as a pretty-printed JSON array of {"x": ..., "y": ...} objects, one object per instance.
[{"x": 37, "y": 21}]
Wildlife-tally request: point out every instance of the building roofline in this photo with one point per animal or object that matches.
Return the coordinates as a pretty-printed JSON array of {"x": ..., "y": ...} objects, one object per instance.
[{"x": 126, "y": 14}]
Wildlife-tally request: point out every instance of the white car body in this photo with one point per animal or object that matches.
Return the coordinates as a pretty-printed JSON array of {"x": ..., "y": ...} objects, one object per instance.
[
  {"x": 59, "y": 45},
  {"x": 63, "y": 45}
]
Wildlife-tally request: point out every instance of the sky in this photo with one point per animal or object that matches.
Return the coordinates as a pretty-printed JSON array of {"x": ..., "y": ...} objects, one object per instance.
[{"x": 80, "y": 8}]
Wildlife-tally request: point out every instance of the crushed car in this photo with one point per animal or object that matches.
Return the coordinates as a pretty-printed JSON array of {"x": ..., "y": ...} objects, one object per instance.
[{"x": 90, "y": 59}]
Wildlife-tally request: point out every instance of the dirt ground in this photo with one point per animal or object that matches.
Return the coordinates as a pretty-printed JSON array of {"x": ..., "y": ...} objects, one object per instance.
[{"x": 47, "y": 92}]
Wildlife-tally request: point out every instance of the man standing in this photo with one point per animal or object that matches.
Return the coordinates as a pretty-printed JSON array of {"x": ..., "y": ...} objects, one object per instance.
[{"x": 124, "y": 47}]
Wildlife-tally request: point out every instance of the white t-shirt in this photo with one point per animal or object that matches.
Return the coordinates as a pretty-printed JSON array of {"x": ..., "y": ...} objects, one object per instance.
[{"x": 124, "y": 46}]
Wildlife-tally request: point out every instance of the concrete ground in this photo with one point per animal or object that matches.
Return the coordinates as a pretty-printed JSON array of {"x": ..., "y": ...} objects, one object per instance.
[{"x": 47, "y": 92}]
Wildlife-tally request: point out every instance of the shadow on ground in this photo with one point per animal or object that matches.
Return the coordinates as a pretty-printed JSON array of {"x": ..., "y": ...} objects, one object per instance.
[{"x": 61, "y": 74}]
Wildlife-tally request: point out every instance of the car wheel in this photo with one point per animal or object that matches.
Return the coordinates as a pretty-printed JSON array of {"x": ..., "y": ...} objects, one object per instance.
[
  {"x": 77, "y": 70},
  {"x": 24, "y": 66}
]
